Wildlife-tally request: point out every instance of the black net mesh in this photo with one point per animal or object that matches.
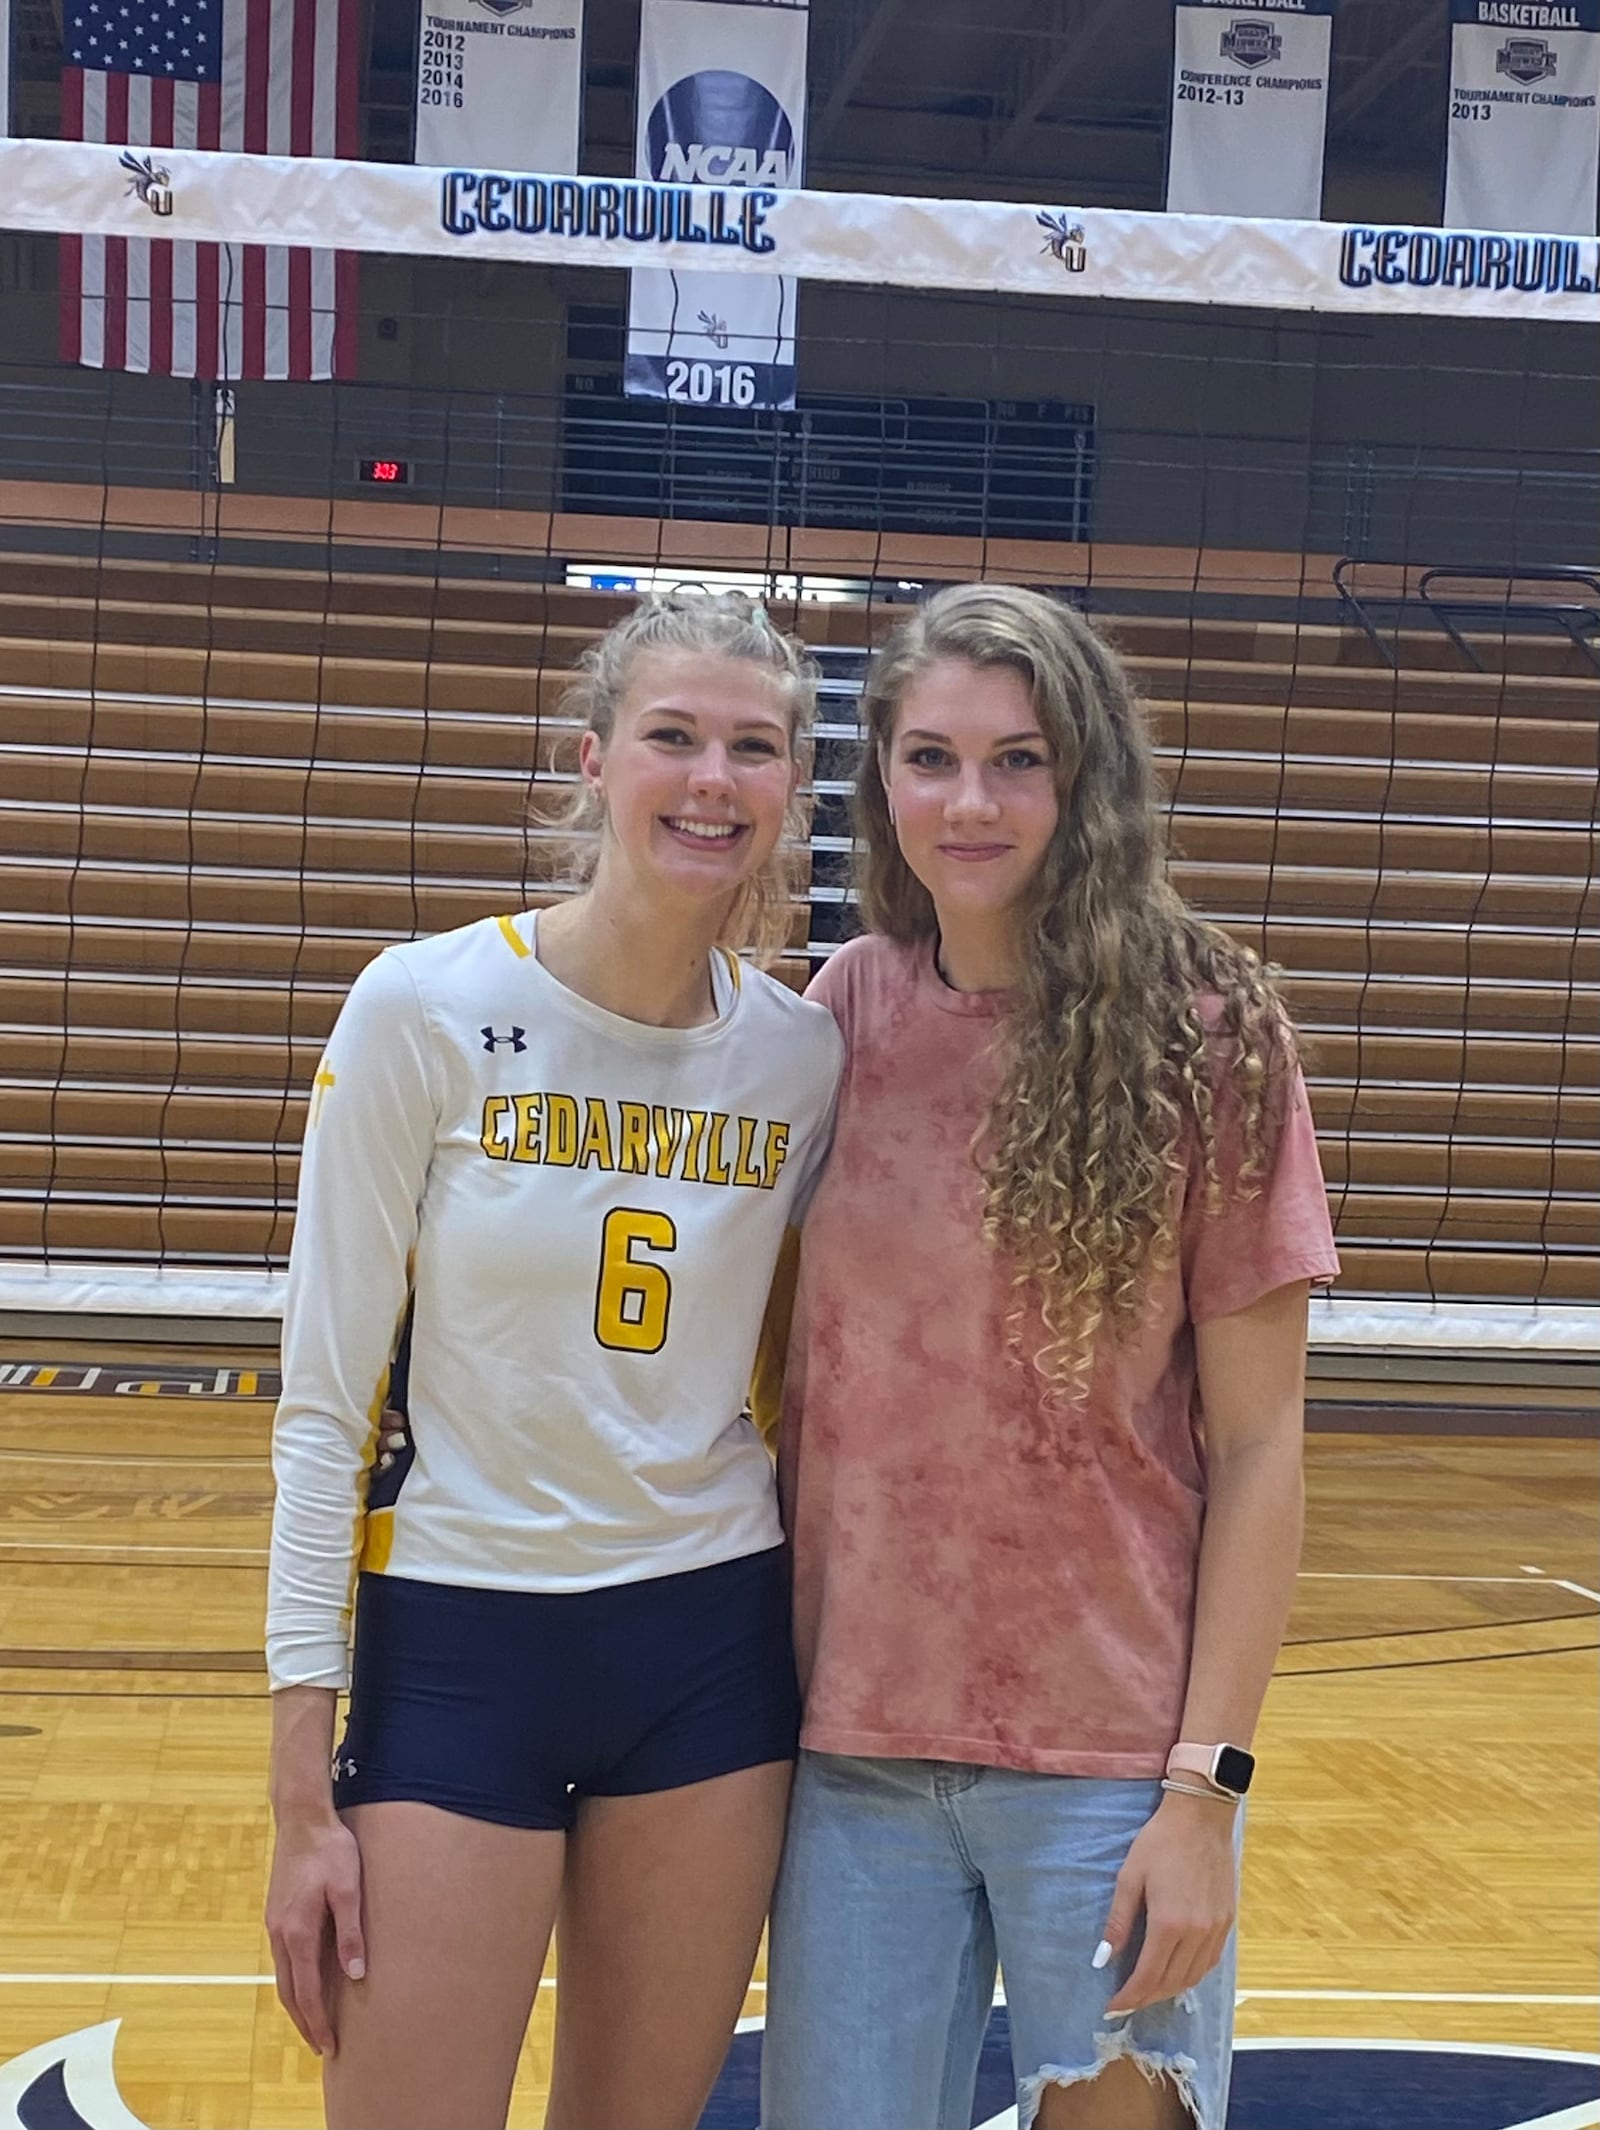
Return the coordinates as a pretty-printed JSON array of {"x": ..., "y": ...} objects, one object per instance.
[{"x": 283, "y": 673}]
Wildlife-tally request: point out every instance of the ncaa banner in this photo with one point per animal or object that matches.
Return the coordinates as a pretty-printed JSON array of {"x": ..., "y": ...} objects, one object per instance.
[
  {"x": 722, "y": 101},
  {"x": 756, "y": 234},
  {"x": 1524, "y": 133},
  {"x": 500, "y": 81},
  {"x": 1249, "y": 107}
]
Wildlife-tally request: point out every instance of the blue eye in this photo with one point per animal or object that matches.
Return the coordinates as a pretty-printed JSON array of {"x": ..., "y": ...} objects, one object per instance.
[
  {"x": 927, "y": 757},
  {"x": 1024, "y": 758}
]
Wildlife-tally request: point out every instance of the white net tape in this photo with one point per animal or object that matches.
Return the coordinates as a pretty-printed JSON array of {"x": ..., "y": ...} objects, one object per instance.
[{"x": 1044, "y": 249}]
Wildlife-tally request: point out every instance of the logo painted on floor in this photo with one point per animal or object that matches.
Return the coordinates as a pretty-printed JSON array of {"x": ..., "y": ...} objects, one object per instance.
[
  {"x": 1295, "y": 2085},
  {"x": 68, "y": 2084},
  {"x": 71, "y": 2084},
  {"x": 135, "y": 1379}
]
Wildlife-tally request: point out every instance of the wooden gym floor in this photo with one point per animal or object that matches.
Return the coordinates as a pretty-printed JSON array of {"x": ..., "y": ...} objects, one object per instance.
[{"x": 1422, "y": 1860}]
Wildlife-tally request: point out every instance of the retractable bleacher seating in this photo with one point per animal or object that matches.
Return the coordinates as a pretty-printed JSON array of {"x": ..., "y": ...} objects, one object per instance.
[{"x": 222, "y": 790}]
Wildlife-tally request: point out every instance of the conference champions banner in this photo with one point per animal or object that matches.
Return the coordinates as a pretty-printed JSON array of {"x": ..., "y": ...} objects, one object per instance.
[
  {"x": 856, "y": 238},
  {"x": 1249, "y": 107},
  {"x": 1524, "y": 135},
  {"x": 722, "y": 101},
  {"x": 500, "y": 81}
]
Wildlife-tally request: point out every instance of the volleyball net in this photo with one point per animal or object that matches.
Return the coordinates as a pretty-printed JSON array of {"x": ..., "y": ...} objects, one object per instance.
[{"x": 284, "y": 654}]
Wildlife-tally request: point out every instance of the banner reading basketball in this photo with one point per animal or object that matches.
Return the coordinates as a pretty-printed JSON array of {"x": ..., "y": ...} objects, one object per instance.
[
  {"x": 1524, "y": 134},
  {"x": 722, "y": 94},
  {"x": 1249, "y": 107}
]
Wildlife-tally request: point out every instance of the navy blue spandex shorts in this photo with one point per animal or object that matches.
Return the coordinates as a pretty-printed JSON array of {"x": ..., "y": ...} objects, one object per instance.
[{"x": 511, "y": 1705}]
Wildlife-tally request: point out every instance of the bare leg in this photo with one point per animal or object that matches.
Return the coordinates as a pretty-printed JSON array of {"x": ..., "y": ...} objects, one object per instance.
[
  {"x": 661, "y": 1915},
  {"x": 1120, "y": 2098},
  {"x": 457, "y": 1914}
]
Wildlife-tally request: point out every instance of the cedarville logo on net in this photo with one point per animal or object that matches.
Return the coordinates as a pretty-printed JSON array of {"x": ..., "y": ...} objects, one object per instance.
[
  {"x": 716, "y": 129},
  {"x": 148, "y": 181}
]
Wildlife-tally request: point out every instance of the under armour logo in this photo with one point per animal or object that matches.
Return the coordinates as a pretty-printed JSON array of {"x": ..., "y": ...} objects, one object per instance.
[
  {"x": 491, "y": 1041},
  {"x": 342, "y": 1767}
]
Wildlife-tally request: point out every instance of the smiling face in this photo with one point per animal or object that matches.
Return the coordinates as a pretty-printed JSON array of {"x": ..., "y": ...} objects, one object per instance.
[
  {"x": 697, "y": 774},
  {"x": 971, "y": 785}
]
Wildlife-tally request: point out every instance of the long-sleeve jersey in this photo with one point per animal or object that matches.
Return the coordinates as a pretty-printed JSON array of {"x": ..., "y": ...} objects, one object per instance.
[{"x": 581, "y": 1215}]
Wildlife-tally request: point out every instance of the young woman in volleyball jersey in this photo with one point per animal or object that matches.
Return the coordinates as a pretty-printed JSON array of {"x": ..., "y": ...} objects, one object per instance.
[
  {"x": 557, "y": 1152},
  {"x": 1040, "y": 1440}
]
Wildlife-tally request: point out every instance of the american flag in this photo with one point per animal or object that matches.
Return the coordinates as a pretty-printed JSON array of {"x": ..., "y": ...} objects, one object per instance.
[{"x": 269, "y": 77}]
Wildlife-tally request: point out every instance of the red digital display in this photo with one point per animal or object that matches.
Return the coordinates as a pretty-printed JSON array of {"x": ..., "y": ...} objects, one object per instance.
[{"x": 389, "y": 473}]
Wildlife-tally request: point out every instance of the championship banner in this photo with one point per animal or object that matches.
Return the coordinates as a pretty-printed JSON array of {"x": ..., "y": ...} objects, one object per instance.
[
  {"x": 1524, "y": 136},
  {"x": 756, "y": 234},
  {"x": 1250, "y": 108},
  {"x": 722, "y": 101},
  {"x": 500, "y": 81}
]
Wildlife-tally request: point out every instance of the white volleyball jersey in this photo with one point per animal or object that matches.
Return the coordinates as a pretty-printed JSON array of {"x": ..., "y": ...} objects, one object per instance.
[{"x": 582, "y": 1215}]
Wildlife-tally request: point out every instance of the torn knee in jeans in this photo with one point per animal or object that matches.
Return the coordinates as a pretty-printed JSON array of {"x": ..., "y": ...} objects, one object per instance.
[{"x": 1115, "y": 2046}]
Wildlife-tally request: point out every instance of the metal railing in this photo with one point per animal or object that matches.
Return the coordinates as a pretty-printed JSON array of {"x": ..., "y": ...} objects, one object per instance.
[{"x": 1577, "y": 620}]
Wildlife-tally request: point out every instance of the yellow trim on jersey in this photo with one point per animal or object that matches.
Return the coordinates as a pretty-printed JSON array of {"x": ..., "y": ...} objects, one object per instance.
[
  {"x": 372, "y": 1539},
  {"x": 377, "y": 1542},
  {"x": 519, "y": 946},
  {"x": 772, "y": 1348},
  {"x": 362, "y": 1523},
  {"x": 514, "y": 939}
]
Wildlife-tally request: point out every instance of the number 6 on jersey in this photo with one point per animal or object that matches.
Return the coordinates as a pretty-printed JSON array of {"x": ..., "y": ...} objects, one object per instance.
[{"x": 635, "y": 1296}]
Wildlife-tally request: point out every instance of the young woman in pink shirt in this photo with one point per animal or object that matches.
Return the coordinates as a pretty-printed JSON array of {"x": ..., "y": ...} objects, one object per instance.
[{"x": 1040, "y": 1427}]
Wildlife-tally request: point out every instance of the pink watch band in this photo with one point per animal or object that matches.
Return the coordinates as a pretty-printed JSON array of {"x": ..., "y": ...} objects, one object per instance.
[{"x": 1194, "y": 1760}]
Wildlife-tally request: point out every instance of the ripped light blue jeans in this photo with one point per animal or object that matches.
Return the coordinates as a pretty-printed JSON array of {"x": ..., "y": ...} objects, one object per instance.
[{"x": 904, "y": 1883}]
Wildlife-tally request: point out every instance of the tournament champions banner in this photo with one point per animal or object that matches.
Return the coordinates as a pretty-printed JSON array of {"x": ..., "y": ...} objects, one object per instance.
[
  {"x": 500, "y": 81},
  {"x": 1524, "y": 138},
  {"x": 1250, "y": 108},
  {"x": 722, "y": 101}
]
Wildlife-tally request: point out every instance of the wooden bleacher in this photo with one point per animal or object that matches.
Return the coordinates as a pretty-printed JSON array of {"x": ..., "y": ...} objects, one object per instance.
[{"x": 222, "y": 789}]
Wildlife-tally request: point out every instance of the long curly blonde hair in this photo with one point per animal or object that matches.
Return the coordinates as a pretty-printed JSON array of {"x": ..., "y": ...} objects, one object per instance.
[
  {"x": 727, "y": 625},
  {"x": 1111, "y": 1066}
]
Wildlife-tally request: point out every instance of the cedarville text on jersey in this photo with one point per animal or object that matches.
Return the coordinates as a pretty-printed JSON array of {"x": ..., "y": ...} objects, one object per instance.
[{"x": 635, "y": 1139}]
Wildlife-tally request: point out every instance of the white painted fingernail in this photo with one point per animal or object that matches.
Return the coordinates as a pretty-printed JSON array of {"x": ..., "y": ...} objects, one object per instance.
[
  {"x": 1102, "y": 1953},
  {"x": 1118, "y": 2015}
]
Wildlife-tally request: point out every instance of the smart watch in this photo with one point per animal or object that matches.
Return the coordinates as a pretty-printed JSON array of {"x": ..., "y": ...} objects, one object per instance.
[{"x": 1226, "y": 1767}]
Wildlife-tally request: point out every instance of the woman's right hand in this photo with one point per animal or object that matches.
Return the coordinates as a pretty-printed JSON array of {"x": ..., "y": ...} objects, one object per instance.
[{"x": 314, "y": 1905}]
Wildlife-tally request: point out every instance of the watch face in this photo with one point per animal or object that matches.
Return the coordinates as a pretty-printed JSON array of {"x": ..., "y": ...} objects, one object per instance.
[{"x": 1234, "y": 1768}]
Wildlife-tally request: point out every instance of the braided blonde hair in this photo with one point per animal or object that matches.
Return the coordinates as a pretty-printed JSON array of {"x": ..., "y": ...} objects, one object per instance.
[{"x": 725, "y": 625}]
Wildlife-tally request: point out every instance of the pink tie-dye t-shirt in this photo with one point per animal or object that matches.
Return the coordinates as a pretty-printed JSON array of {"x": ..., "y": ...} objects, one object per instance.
[{"x": 983, "y": 1573}]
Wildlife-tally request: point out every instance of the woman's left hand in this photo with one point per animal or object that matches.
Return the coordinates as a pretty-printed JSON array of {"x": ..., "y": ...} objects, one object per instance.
[
  {"x": 1183, "y": 1872},
  {"x": 394, "y": 1435}
]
